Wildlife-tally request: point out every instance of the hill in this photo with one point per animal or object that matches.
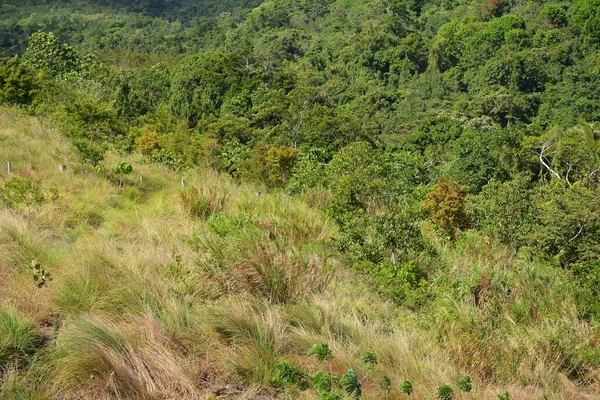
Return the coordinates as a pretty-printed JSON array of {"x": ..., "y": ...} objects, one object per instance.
[{"x": 316, "y": 199}]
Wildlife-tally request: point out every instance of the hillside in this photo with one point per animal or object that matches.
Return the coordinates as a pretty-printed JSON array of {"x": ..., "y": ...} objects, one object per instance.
[
  {"x": 154, "y": 295},
  {"x": 320, "y": 199}
]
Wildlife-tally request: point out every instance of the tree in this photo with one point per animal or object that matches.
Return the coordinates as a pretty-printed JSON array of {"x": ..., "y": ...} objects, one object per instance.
[
  {"x": 201, "y": 83},
  {"x": 445, "y": 206},
  {"x": 45, "y": 52},
  {"x": 22, "y": 194},
  {"x": 18, "y": 82}
]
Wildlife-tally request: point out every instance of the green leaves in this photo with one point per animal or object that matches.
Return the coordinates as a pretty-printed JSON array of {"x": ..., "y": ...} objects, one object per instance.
[
  {"x": 45, "y": 52},
  {"x": 321, "y": 351},
  {"x": 465, "y": 384},
  {"x": 123, "y": 168},
  {"x": 405, "y": 387},
  {"x": 40, "y": 276},
  {"x": 287, "y": 374},
  {"x": 351, "y": 384},
  {"x": 22, "y": 194},
  {"x": 19, "y": 82},
  {"x": 445, "y": 392}
]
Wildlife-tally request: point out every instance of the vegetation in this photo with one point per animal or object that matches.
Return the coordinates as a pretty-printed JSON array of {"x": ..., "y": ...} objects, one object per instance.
[{"x": 326, "y": 199}]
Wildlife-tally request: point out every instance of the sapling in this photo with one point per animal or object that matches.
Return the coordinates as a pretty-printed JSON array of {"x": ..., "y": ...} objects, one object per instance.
[
  {"x": 323, "y": 381},
  {"x": 351, "y": 383},
  {"x": 386, "y": 384},
  {"x": 370, "y": 359},
  {"x": 465, "y": 384},
  {"x": 504, "y": 396},
  {"x": 323, "y": 352},
  {"x": 40, "y": 275},
  {"x": 405, "y": 387},
  {"x": 445, "y": 393},
  {"x": 287, "y": 374},
  {"x": 122, "y": 168},
  {"x": 23, "y": 194}
]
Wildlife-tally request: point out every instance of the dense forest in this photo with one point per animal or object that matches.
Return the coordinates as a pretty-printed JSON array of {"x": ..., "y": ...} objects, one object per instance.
[{"x": 360, "y": 185}]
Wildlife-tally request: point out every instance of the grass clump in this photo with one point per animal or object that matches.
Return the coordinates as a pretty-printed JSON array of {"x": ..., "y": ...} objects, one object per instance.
[
  {"x": 202, "y": 202},
  {"x": 19, "y": 339},
  {"x": 127, "y": 358}
]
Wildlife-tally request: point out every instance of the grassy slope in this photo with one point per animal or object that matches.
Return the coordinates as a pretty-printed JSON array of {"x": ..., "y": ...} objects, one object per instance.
[{"x": 152, "y": 302}]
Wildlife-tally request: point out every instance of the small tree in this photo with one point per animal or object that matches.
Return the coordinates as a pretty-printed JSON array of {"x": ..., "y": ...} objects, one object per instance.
[
  {"x": 465, "y": 384},
  {"x": 405, "y": 387},
  {"x": 41, "y": 277},
  {"x": 280, "y": 162},
  {"x": 21, "y": 194},
  {"x": 352, "y": 384},
  {"x": 445, "y": 393},
  {"x": 445, "y": 205},
  {"x": 45, "y": 52},
  {"x": 122, "y": 168},
  {"x": 18, "y": 82}
]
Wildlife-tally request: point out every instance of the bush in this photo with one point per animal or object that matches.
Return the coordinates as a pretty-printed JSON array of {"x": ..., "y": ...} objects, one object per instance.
[{"x": 445, "y": 206}]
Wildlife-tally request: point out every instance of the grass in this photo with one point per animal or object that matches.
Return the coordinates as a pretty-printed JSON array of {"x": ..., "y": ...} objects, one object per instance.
[
  {"x": 164, "y": 293},
  {"x": 19, "y": 338}
]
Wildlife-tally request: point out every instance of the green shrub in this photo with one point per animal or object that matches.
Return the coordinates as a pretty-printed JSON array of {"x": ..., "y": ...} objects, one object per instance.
[
  {"x": 465, "y": 384},
  {"x": 405, "y": 387},
  {"x": 444, "y": 393}
]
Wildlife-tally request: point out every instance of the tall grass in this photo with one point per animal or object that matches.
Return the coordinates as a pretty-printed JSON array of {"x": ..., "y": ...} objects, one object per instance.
[
  {"x": 19, "y": 339},
  {"x": 202, "y": 202},
  {"x": 128, "y": 359}
]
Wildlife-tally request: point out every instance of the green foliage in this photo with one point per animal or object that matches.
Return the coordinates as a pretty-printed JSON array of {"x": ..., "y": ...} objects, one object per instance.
[
  {"x": 18, "y": 82},
  {"x": 587, "y": 275},
  {"x": 555, "y": 14},
  {"x": 46, "y": 53},
  {"x": 280, "y": 162},
  {"x": 351, "y": 384},
  {"x": 370, "y": 359},
  {"x": 465, "y": 384},
  {"x": 324, "y": 382},
  {"x": 321, "y": 351},
  {"x": 200, "y": 85},
  {"x": 371, "y": 104},
  {"x": 123, "y": 168},
  {"x": 90, "y": 152},
  {"x": 287, "y": 374},
  {"x": 504, "y": 396},
  {"x": 445, "y": 392},
  {"x": 22, "y": 194},
  {"x": 386, "y": 384},
  {"x": 405, "y": 387},
  {"x": 569, "y": 223},
  {"x": 40, "y": 276},
  {"x": 505, "y": 210}
]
